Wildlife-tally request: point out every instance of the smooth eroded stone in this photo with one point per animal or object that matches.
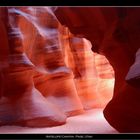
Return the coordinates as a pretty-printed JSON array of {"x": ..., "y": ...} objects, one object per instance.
[
  {"x": 59, "y": 88},
  {"x": 80, "y": 59},
  {"x": 23, "y": 99},
  {"x": 30, "y": 110},
  {"x": 87, "y": 92},
  {"x": 21, "y": 103},
  {"x": 104, "y": 69},
  {"x": 52, "y": 77},
  {"x": 133, "y": 75},
  {"x": 113, "y": 32}
]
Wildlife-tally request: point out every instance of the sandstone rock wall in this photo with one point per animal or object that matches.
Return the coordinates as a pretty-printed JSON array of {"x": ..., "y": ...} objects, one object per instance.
[
  {"x": 113, "y": 32},
  {"x": 46, "y": 73}
]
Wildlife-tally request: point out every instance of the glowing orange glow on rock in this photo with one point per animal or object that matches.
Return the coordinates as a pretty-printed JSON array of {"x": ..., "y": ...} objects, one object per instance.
[{"x": 46, "y": 73}]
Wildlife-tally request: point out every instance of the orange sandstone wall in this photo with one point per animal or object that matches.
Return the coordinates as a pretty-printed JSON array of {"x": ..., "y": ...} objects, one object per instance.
[{"x": 46, "y": 73}]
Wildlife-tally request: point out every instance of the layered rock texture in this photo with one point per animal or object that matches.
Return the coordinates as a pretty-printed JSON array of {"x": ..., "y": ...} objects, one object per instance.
[
  {"x": 115, "y": 33},
  {"x": 46, "y": 73}
]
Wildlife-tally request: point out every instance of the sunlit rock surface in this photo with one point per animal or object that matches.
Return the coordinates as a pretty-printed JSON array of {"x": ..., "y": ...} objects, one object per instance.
[
  {"x": 53, "y": 78},
  {"x": 92, "y": 120},
  {"x": 105, "y": 85},
  {"x": 46, "y": 73},
  {"x": 21, "y": 103},
  {"x": 113, "y": 32},
  {"x": 92, "y": 89},
  {"x": 80, "y": 59}
]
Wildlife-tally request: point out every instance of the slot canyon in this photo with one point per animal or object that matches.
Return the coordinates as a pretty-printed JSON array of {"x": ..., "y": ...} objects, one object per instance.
[{"x": 62, "y": 66}]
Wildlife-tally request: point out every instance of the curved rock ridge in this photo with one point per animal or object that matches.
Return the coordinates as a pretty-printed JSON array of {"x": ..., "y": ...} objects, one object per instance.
[
  {"x": 114, "y": 33},
  {"x": 47, "y": 73}
]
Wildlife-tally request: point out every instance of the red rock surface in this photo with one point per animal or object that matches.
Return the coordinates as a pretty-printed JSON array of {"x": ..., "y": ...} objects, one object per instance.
[
  {"x": 46, "y": 72},
  {"x": 113, "y": 32},
  {"x": 21, "y": 103},
  {"x": 92, "y": 120}
]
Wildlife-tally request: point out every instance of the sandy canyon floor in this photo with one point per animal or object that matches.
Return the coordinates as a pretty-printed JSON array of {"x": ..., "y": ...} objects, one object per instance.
[{"x": 91, "y": 122}]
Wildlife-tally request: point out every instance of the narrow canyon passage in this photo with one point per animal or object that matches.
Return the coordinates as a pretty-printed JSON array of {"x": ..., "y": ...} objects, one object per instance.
[
  {"x": 50, "y": 79},
  {"x": 92, "y": 120},
  {"x": 115, "y": 33}
]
